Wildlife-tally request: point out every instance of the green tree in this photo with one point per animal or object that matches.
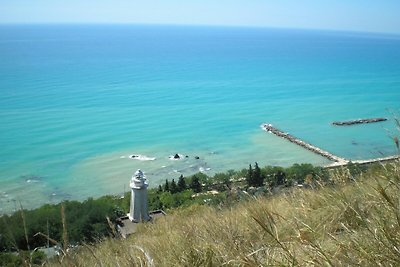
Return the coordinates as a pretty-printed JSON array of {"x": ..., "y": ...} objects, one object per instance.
[
  {"x": 159, "y": 190},
  {"x": 222, "y": 181},
  {"x": 298, "y": 172},
  {"x": 250, "y": 176},
  {"x": 173, "y": 187},
  {"x": 275, "y": 175},
  {"x": 181, "y": 184},
  {"x": 155, "y": 203},
  {"x": 280, "y": 177},
  {"x": 195, "y": 184},
  {"x": 167, "y": 200},
  {"x": 166, "y": 186},
  {"x": 258, "y": 177}
]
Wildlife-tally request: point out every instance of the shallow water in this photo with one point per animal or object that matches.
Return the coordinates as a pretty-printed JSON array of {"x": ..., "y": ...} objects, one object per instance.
[{"x": 76, "y": 101}]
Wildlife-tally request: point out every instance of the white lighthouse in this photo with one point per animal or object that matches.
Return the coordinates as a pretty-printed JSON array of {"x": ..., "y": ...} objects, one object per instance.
[{"x": 139, "y": 203}]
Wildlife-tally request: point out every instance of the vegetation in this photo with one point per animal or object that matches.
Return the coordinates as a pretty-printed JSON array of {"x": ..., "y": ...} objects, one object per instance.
[
  {"x": 255, "y": 177},
  {"x": 85, "y": 223},
  {"x": 342, "y": 221},
  {"x": 22, "y": 258}
]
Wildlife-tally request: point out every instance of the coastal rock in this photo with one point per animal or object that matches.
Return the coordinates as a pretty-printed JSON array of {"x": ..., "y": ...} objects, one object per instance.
[
  {"x": 358, "y": 121},
  {"x": 176, "y": 157}
]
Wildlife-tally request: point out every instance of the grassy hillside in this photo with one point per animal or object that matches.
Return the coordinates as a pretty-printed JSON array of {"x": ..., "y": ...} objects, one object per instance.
[{"x": 346, "y": 222}]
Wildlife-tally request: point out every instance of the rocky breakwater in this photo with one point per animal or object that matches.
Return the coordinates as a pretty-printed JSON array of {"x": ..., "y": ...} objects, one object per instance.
[
  {"x": 271, "y": 129},
  {"x": 358, "y": 121}
]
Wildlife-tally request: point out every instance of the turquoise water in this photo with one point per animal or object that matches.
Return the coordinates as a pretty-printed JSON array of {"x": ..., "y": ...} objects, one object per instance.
[{"x": 76, "y": 101}]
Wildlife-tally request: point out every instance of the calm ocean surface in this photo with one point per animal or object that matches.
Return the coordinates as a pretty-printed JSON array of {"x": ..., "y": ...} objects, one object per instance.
[{"x": 76, "y": 101}]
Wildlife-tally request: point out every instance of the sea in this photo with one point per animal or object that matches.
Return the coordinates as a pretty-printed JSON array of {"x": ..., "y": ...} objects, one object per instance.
[{"x": 77, "y": 101}]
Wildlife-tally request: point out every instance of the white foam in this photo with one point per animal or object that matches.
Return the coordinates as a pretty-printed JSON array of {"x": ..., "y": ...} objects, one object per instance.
[
  {"x": 122, "y": 157},
  {"x": 32, "y": 181},
  {"x": 141, "y": 157},
  {"x": 202, "y": 169}
]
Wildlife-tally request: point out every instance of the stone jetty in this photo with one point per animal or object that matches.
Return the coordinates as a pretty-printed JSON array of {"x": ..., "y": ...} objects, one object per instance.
[
  {"x": 337, "y": 161},
  {"x": 358, "y": 121},
  {"x": 271, "y": 129}
]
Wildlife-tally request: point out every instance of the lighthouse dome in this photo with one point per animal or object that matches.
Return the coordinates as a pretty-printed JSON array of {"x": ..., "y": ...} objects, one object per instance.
[
  {"x": 138, "y": 180},
  {"x": 139, "y": 174}
]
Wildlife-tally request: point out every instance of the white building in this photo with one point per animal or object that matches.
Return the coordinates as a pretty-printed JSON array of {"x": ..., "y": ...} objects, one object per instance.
[{"x": 139, "y": 211}]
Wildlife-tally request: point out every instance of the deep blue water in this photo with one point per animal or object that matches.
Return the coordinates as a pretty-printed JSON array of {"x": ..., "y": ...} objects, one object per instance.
[{"x": 77, "y": 100}]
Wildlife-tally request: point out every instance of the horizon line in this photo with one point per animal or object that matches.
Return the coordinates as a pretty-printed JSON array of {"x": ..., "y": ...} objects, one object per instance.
[{"x": 204, "y": 25}]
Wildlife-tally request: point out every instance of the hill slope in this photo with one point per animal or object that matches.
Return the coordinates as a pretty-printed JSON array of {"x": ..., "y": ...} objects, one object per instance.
[{"x": 350, "y": 223}]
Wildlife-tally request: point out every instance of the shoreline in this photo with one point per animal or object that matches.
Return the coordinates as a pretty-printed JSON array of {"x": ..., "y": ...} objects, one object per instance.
[
  {"x": 109, "y": 171},
  {"x": 390, "y": 159},
  {"x": 9, "y": 211}
]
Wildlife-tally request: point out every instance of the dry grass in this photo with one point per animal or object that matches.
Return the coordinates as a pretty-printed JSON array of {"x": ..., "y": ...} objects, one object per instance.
[{"x": 349, "y": 224}]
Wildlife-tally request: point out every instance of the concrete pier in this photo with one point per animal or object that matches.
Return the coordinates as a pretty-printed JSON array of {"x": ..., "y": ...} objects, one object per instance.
[
  {"x": 358, "y": 121},
  {"x": 337, "y": 161},
  {"x": 271, "y": 129},
  {"x": 367, "y": 161}
]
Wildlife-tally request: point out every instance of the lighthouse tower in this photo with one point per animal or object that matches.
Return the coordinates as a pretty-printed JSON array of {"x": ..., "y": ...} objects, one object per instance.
[{"x": 139, "y": 202}]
